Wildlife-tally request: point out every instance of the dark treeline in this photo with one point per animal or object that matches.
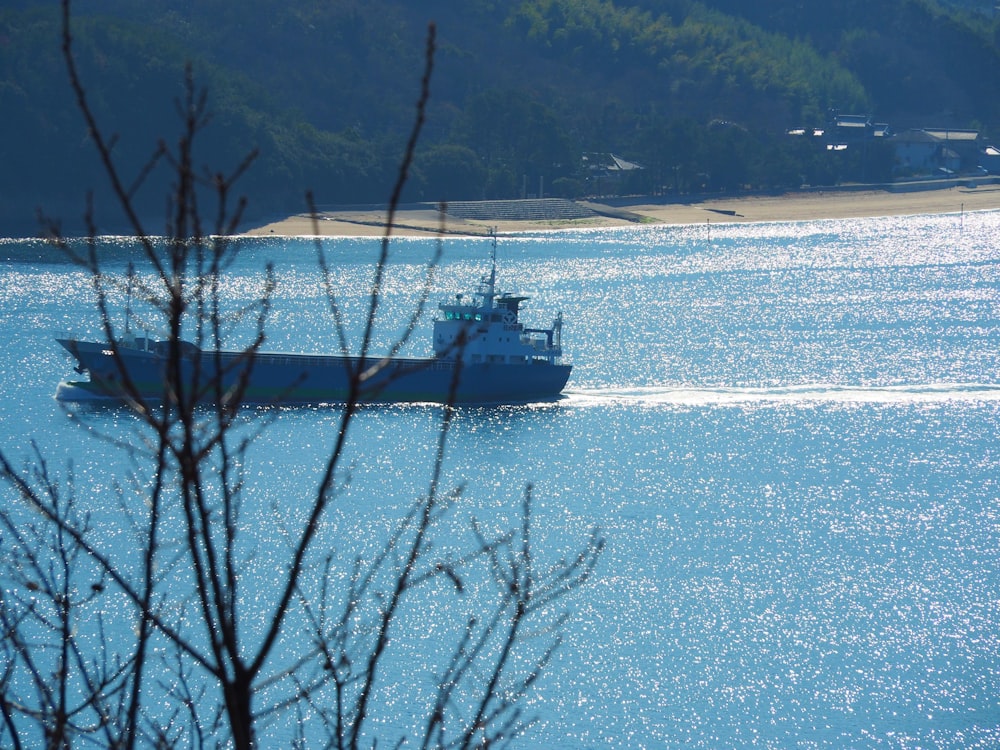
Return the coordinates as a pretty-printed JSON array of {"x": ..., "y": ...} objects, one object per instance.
[{"x": 700, "y": 93}]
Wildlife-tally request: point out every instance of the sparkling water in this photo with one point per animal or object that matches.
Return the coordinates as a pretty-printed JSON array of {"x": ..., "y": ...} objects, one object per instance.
[{"x": 787, "y": 432}]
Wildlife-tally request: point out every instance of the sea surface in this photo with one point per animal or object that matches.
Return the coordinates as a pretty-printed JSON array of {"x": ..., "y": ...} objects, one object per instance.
[{"x": 786, "y": 432}]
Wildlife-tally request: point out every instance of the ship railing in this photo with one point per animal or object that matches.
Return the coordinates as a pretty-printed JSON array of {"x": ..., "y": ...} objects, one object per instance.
[{"x": 317, "y": 360}]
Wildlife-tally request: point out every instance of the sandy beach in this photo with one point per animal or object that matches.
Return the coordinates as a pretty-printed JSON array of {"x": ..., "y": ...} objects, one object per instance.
[{"x": 796, "y": 206}]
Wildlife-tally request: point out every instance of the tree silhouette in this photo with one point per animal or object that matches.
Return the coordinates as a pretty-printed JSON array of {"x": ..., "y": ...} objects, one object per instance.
[{"x": 167, "y": 640}]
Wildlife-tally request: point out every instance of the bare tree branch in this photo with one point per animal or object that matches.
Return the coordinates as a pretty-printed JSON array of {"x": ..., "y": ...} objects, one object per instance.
[{"x": 202, "y": 662}]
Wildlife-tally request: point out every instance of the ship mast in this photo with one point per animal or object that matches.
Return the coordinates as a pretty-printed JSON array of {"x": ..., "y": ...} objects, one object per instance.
[{"x": 488, "y": 284}]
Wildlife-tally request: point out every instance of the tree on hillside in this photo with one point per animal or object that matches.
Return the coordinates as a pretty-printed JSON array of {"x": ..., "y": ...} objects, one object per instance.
[
  {"x": 450, "y": 172},
  {"x": 518, "y": 140},
  {"x": 132, "y": 618}
]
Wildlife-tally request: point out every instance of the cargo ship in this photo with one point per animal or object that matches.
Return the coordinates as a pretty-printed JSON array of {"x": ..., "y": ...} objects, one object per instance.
[{"x": 483, "y": 354}]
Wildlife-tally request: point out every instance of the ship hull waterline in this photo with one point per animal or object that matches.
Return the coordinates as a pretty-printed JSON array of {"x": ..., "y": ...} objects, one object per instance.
[{"x": 300, "y": 379}]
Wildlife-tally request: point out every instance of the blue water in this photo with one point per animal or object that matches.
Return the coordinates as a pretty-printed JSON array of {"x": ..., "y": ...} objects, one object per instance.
[{"x": 787, "y": 432}]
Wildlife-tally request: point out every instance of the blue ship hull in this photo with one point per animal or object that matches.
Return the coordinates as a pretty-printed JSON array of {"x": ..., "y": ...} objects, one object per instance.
[
  {"x": 483, "y": 354},
  {"x": 309, "y": 379}
]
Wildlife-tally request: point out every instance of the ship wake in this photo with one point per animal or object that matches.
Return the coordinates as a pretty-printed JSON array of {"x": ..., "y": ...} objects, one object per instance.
[{"x": 930, "y": 393}]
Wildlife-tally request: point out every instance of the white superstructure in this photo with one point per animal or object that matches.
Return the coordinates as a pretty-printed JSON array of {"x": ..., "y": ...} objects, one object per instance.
[{"x": 484, "y": 327}]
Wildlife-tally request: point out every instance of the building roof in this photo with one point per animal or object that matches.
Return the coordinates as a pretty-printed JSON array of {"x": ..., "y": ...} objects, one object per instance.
[
  {"x": 852, "y": 121},
  {"x": 610, "y": 162},
  {"x": 932, "y": 135},
  {"x": 951, "y": 134}
]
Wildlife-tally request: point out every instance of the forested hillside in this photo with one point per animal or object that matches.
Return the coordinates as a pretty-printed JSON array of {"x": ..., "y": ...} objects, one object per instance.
[{"x": 700, "y": 93}]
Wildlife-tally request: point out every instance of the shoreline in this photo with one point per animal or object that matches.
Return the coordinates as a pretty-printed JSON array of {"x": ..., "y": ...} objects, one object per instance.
[{"x": 794, "y": 206}]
